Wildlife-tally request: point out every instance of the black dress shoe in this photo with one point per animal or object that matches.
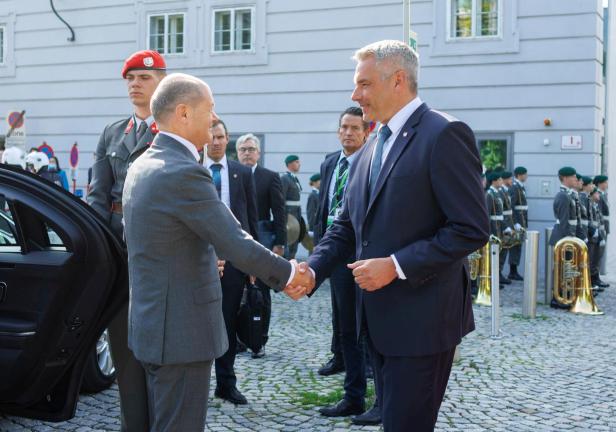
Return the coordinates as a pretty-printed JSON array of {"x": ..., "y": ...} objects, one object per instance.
[
  {"x": 240, "y": 347},
  {"x": 333, "y": 366},
  {"x": 515, "y": 276},
  {"x": 231, "y": 394},
  {"x": 504, "y": 280},
  {"x": 369, "y": 418},
  {"x": 556, "y": 305},
  {"x": 258, "y": 354},
  {"x": 343, "y": 408},
  {"x": 602, "y": 284}
]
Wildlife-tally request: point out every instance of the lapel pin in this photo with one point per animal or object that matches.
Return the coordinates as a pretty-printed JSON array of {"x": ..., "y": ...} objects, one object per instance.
[
  {"x": 234, "y": 175},
  {"x": 405, "y": 134},
  {"x": 113, "y": 154}
]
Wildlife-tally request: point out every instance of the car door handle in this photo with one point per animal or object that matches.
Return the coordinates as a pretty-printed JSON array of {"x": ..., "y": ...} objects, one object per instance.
[{"x": 2, "y": 291}]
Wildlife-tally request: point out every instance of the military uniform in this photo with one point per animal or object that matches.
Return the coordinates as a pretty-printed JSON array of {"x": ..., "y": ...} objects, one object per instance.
[
  {"x": 507, "y": 225},
  {"x": 494, "y": 203},
  {"x": 584, "y": 203},
  {"x": 566, "y": 214},
  {"x": 581, "y": 230},
  {"x": 605, "y": 219},
  {"x": 120, "y": 144},
  {"x": 596, "y": 234},
  {"x": 519, "y": 204},
  {"x": 291, "y": 190}
]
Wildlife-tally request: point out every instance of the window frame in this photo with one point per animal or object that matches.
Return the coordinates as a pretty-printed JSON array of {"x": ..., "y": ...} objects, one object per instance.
[
  {"x": 3, "y": 45},
  {"x": 166, "y": 35},
  {"x": 497, "y": 136},
  {"x": 474, "y": 3},
  {"x": 233, "y": 11}
]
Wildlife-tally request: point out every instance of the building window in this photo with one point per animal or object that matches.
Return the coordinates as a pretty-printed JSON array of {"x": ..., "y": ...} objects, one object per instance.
[
  {"x": 166, "y": 33},
  {"x": 2, "y": 44},
  {"x": 474, "y": 18},
  {"x": 233, "y": 29},
  {"x": 495, "y": 150}
]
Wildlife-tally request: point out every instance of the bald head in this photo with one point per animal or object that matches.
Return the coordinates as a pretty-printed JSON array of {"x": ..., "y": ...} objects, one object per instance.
[{"x": 184, "y": 105}]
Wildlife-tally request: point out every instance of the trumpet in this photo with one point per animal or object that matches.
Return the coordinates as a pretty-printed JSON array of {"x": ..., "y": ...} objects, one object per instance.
[{"x": 484, "y": 273}]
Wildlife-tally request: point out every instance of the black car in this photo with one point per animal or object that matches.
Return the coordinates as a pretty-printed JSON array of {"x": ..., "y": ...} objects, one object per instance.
[{"x": 63, "y": 276}]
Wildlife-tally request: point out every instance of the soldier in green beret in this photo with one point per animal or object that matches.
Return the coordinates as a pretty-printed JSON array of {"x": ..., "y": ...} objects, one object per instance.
[
  {"x": 507, "y": 220},
  {"x": 565, "y": 212},
  {"x": 581, "y": 230},
  {"x": 601, "y": 181},
  {"x": 494, "y": 204},
  {"x": 313, "y": 201},
  {"x": 291, "y": 190},
  {"x": 517, "y": 192}
]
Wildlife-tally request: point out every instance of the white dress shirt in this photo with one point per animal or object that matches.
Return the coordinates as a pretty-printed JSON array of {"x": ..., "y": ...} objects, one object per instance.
[
  {"x": 190, "y": 146},
  {"x": 395, "y": 125},
  {"x": 225, "y": 195}
]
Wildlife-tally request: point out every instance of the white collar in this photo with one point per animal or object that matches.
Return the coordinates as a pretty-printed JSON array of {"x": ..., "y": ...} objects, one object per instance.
[
  {"x": 254, "y": 168},
  {"x": 494, "y": 189},
  {"x": 209, "y": 162},
  {"x": 148, "y": 121},
  {"x": 400, "y": 118},
  {"x": 349, "y": 159},
  {"x": 190, "y": 146}
]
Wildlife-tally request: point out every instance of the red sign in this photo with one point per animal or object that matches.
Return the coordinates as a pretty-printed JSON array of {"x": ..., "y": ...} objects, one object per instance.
[
  {"x": 46, "y": 148},
  {"x": 74, "y": 159},
  {"x": 16, "y": 119}
]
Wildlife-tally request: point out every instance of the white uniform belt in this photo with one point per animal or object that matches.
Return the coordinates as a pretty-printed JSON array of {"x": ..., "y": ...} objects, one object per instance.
[
  {"x": 293, "y": 203},
  {"x": 497, "y": 217},
  {"x": 572, "y": 221},
  {"x": 521, "y": 207},
  {"x": 594, "y": 224},
  {"x": 605, "y": 217},
  {"x": 507, "y": 212},
  {"x": 584, "y": 222}
]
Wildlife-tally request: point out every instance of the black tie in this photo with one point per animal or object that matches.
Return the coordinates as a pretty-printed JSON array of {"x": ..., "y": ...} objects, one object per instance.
[
  {"x": 141, "y": 131},
  {"x": 215, "y": 168}
]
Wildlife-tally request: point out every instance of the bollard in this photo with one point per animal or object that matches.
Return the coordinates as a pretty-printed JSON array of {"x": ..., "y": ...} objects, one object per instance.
[
  {"x": 495, "y": 285},
  {"x": 549, "y": 271},
  {"x": 529, "y": 305}
]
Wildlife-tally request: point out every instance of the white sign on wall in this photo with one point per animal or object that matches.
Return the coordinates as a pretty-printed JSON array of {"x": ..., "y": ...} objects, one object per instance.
[{"x": 571, "y": 142}]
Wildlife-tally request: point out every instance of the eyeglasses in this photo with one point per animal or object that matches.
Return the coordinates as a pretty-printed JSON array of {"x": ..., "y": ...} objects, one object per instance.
[{"x": 247, "y": 150}]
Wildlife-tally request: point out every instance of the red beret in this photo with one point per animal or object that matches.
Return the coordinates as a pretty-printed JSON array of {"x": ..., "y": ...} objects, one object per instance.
[{"x": 144, "y": 60}]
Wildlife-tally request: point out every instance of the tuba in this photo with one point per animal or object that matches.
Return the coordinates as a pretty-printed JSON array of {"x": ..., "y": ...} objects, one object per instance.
[
  {"x": 484, "y": 274},
  {"x": 572, "y": 284}
]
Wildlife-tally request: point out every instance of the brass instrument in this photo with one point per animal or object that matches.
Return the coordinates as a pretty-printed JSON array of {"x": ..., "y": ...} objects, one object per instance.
[
  {"x": 484, "y": 274},
  {"x": 474, "y": 261},
  {"x": 572, "y": 284},
  {"x": 513, "y": 238}
]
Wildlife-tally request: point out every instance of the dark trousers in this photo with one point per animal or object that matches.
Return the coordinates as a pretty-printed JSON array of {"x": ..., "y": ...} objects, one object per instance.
[
  {"x": 266, "y": 238},
  {"x": 232, "y": 282},
  {"x": 336, "y": 347},
  {"x": 130, "y": 375},
  {"x": 343, "y": 295},
  {"x": 411, "y": 389},
  {"x": 594, "y": 256},
  {"x": 178, "y": 395},
  {"x": 515, "y": 254}
]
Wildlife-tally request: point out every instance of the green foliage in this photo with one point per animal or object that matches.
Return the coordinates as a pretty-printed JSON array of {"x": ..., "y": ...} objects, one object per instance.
[{"x": 493, "y": 153}]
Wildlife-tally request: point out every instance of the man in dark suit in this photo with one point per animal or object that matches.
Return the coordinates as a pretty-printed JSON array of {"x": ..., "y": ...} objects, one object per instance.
[
  {"x": 271, "y": 222},
  {"x": 414, "y": 210},
  {"x": 120, "y": 144},
  {"x": 235, "y": 187},
  {"x": 176, "y": 228},
  {"x": 352, "y": 134}
]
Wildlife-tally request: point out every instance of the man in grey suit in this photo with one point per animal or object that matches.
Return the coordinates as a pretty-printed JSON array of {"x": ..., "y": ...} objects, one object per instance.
[{"x": 176, "y": 326}]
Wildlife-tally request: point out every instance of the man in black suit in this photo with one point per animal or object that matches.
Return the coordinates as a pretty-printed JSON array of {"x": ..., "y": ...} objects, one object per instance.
[
  {"x": 414, "y": 210},
  {"x": 235, "y": 187},
  {"x": 352, "y": 133},
  {"x": 271, "y": 225}
]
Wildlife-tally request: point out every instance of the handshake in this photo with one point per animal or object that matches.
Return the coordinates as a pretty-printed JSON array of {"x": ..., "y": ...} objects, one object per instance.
[{"x": 302, "y": 283}]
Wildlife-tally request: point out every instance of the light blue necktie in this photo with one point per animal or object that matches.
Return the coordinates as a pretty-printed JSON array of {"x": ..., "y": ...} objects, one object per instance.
[{"x": 383, "y": 135}]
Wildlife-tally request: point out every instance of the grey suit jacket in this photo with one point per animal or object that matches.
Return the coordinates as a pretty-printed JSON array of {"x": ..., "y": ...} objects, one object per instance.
[{"x": 175, "y": 227}]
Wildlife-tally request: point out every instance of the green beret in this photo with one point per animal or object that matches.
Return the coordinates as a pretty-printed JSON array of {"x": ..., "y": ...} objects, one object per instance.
[
  {"x": 520, "y": 170},
  {"x": 493, "y": 176},
  {"x": 315, "y": 177},
  {"x": 566, "y": 171},
  {"x": 586, "y": 180},
  {"x": 506, "y": 174},
  {"x": 595, "y": 190},
  {"x": 290, "y": 158},
  {"x": 578, "y": 176},
  {"x": 600, "y": 179}
]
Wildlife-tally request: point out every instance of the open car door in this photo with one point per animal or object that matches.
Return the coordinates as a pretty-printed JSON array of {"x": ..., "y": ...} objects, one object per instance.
[{"x": 63, "y": 275}]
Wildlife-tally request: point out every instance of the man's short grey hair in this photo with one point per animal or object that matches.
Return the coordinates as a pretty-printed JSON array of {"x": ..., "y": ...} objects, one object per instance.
[
  {"x": 175, "y": 89},
  {"x": 248, "y": 137},
  {"x": 396, "y": 54}
]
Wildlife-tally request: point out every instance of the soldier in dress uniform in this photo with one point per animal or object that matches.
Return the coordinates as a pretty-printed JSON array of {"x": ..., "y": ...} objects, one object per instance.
[
  {"x": 581, "y": 230},
  {"x": 120, "y": 144},
  {"x": 313, "y": 201},
  {"x": 494, "y": 203},
  {"x": 565, "y": 212},
  {"x": 601, "y": 182},
  {"x": 597, "y": 236},
  {"x": 508, "y": 223},
  {"x": 519, "y": 204},
  {"x": 291, "y": 190},
  {"x": 584, "y": 200}
]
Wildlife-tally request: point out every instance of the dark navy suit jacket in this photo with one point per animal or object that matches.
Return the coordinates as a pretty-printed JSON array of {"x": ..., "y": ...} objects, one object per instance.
[
  {"x": 243, "y": 197},
  {"x": 429, "y": 210}
]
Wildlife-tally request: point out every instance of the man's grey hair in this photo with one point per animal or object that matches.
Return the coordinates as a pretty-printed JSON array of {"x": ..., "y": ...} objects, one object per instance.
[
  {"x": 248, "y": 137},
  {"x": 395, "y": 54},
  {"x": 175, "y": 89}
]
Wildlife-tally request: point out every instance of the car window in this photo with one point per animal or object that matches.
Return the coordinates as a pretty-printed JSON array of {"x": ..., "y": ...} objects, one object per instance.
[
  {"x": 53, "y": 238},
  {"x": 8, "y": 235}
]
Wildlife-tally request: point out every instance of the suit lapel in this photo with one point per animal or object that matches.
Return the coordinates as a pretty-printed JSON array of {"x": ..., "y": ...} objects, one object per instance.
[
  {"x": 128, "y": 140},
  {"x": 362, "y": 173},
  {"x": 233, "y": 185},
  {"x": 329, "y": 172},
  {"x": 402, "y": 141},
  {"x": 144, "y": 142}
]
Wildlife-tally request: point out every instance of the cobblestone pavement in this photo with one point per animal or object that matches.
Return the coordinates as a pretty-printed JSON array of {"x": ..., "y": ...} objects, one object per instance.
[{"x": 554, "y": 373}]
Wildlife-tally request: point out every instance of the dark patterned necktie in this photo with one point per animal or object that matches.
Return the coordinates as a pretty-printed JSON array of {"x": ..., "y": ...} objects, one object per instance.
[
  {"x": 215, "y": 168},
  {"x": 383, "y": 135}
]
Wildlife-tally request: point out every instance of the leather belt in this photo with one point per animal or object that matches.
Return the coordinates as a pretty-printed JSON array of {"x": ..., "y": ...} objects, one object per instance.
[{"x": 116, "y": 208}]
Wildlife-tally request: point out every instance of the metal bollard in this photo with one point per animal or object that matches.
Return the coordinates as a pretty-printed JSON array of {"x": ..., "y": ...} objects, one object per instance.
[
  {"x": 549, "y": 271},
  {"x": 495, "y": 282},
  {"x": 529, "y": 305}
]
